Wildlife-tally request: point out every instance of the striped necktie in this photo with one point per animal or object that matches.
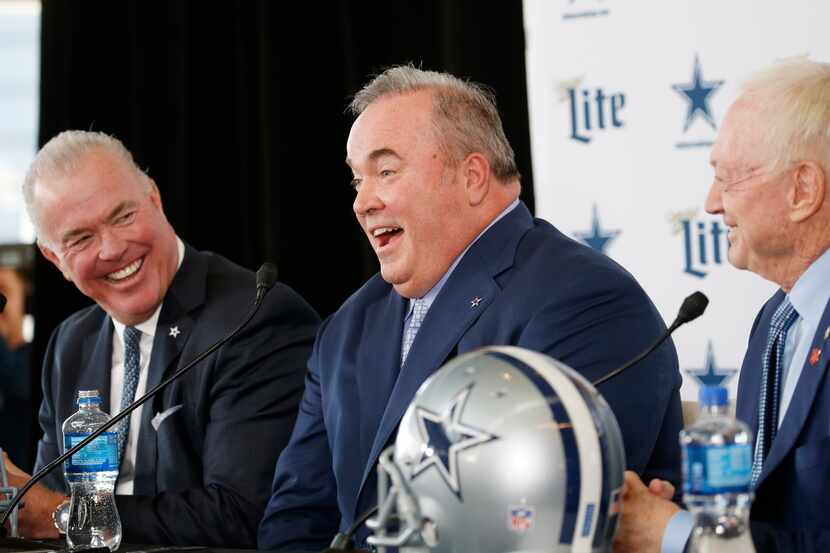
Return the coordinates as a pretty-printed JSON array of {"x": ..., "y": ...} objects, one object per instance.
[
  {"x": 782, "y": 320},
  {"x": 132, "y": 363}
]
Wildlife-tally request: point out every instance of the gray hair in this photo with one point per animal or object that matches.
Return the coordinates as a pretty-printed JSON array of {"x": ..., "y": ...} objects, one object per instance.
[
  {"x": 794, "y": 98},
  {"x": 465, "y": 114},
  {"x": 63, "y": 155}
]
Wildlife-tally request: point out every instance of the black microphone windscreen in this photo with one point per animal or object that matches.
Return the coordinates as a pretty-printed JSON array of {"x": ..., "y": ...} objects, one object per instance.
[
  {"x": 2, "y": 302},
  {"x": 692, "y": 308},
  {"x": 266, "y": 276}
]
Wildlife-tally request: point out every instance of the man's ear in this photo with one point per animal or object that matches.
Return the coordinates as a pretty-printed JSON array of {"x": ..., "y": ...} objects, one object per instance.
[
  {"x": 53, "y": 257},
  {"x": 475, "y": 172},
  {"x": 155, "y": 196},
  {"x": 806, "y": 194}
]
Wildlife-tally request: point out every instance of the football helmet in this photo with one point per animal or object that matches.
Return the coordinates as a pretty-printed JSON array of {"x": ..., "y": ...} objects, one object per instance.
[{"x": 502, "y": 450}]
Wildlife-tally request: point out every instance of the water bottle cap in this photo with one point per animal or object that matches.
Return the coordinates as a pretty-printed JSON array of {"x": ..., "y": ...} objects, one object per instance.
[
  {"x": 88, "y": 397},
  {"x": 713, "y": 395}
]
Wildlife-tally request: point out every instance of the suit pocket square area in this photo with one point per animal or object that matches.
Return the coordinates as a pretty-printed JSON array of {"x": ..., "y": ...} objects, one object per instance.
[{"x": 160, "y": 417}]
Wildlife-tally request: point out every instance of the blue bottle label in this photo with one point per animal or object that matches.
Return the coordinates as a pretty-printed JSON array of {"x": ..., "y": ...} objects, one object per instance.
[
  {"x": 710, "y": 470},
  {"x": 100, "y": 455}
]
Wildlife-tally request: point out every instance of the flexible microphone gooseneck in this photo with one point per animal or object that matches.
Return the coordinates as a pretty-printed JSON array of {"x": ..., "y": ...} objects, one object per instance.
[
  {"x": 266, "y": 277},
  {"x": 692, "y": 308},
  {"x": 342, "y": 540}
]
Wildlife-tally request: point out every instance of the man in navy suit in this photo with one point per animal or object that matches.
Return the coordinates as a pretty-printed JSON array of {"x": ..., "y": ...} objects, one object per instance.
[
  {"x": 771, "y": 160},
  {"x": 187, "y": 473},
  {"x": 462, "y": 265}
]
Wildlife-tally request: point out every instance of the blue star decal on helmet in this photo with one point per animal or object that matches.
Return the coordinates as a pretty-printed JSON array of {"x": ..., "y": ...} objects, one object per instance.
[
  {"x": 710, "y": 374},
  {"x": 697, "y": 93},
  {"x": 445, "y": 436},
  {"x": 596, "y": 237}
]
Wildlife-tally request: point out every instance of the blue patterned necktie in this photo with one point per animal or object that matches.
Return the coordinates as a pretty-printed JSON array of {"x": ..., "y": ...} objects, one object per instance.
[
  {"x": 419, "y": 311},
  {"x": 782, "y": 320},
  {"x": 132, "y": 362}
]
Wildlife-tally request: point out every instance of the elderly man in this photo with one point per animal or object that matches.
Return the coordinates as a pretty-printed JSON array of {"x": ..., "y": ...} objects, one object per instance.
[
  {"x": 463, "y": 265},
  {"x": 187, "y": 475},
  {"x": 771, "y": 160}
]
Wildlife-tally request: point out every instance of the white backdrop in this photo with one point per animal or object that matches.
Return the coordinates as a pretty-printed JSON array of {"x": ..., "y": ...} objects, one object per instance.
[{"x": 625, "y": 99}]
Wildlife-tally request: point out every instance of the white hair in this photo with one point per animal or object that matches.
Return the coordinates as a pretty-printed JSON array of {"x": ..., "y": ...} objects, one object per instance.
[
  {"x": 793, "y": 97},
  {"x": 63, "y": 155}
]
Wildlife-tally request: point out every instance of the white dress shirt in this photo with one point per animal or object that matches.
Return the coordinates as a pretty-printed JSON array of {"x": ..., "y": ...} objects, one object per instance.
[{"x": 126, "y": 475}]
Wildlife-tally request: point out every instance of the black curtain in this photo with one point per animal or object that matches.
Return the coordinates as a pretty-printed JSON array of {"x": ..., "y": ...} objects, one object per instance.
[{"x": 237, "y": 110}]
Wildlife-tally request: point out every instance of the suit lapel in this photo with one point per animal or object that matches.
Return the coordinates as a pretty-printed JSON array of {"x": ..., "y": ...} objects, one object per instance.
[
  {"x": 173, "y": 329},
  {"x": 383, "y": 318},
  {"x": 464, "y": 298},
  {"x": 803, "y": 397}
]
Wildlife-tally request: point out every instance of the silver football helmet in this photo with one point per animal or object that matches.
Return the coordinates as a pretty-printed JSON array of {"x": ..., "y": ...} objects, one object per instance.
[{"x": 502, "y": 450}]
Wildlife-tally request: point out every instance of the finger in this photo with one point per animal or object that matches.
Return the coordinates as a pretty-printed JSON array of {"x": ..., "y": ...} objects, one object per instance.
[
  {"x": 661, "y": 488},
  {"x": 633, "y": 482}
]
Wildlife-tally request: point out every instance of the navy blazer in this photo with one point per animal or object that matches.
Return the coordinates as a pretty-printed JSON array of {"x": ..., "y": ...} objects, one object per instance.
[
  {"x": 537, "y": 289},
  {"x": 203, "y": 476},
  {"x": 788, "y": 513}
]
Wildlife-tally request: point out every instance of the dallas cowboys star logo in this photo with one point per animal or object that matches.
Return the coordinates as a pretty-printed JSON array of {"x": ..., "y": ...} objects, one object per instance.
[
  {"x": 596, "y": 237},
  {"x": 445, "y": 436},
  {"x": 697, "y": 94},
  {"x": 710, "y": 374},
  {"x": 174, "y": 331}
]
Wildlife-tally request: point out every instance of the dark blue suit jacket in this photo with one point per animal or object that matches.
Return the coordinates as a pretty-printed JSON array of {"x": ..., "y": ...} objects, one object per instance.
[
  {"x": 538, "y": 289},
  {"x": 202, "y": 477},
  {"x": 788, "y": 513}
]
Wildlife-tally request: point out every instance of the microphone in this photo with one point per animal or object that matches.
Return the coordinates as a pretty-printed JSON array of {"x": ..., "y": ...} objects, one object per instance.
[
  {"x": 2, "y": 302},
  {"x": 266, "y": 278},
  {"x": 692, "y": 308}
]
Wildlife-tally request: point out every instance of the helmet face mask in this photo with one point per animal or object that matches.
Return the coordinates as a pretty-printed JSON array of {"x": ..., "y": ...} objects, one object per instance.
[{"x": 502, "y": 450}]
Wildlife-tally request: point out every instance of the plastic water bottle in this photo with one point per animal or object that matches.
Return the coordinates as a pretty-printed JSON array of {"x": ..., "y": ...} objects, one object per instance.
[
  {"x": 717, "y": 468},
  {"x": 91, "y": 474}
]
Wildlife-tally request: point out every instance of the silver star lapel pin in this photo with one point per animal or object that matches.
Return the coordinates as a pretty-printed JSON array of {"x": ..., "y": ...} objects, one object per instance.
[
  {"x": 174, "y": 331},
  {"x": 475, "y": 301}
]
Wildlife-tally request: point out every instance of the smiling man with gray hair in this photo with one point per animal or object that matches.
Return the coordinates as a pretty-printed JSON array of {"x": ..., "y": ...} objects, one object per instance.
[
  {"x": 463, "y": 264},
  {"x": 771, "y": 161},
  {"x": 186, "y": 474}
]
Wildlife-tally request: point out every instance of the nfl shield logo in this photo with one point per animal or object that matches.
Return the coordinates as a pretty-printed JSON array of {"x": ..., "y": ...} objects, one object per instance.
[{"x": 520, "y": 518}]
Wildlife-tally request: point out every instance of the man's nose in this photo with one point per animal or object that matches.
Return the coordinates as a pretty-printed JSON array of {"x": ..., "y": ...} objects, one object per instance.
[
  {"x": 714, "y": 201},
  {"x": 367, "y": 199},
  {"x": 113, "y": 245}
]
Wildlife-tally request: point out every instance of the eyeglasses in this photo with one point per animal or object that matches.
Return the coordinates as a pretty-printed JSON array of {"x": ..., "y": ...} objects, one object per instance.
[{"x": 728, "y": 183}]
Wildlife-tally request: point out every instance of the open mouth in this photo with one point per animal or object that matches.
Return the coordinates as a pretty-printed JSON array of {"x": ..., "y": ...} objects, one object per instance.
[
  {"x": 125, "y": 273},
  {"x": 384, "y": 235}
]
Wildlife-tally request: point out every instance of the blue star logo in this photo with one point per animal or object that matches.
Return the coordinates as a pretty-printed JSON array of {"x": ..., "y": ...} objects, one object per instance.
[
  {"x": 710, "y": 374},
  {"x": 596, "y": 237},
  {"x": 698, "y": 93},
  {"x": 444, "y": 437}
]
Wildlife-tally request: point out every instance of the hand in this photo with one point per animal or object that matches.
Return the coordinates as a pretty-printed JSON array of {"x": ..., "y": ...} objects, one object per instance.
[
  {"x": 35, "y": 519},
  {"x": 645, "y": 515}
]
